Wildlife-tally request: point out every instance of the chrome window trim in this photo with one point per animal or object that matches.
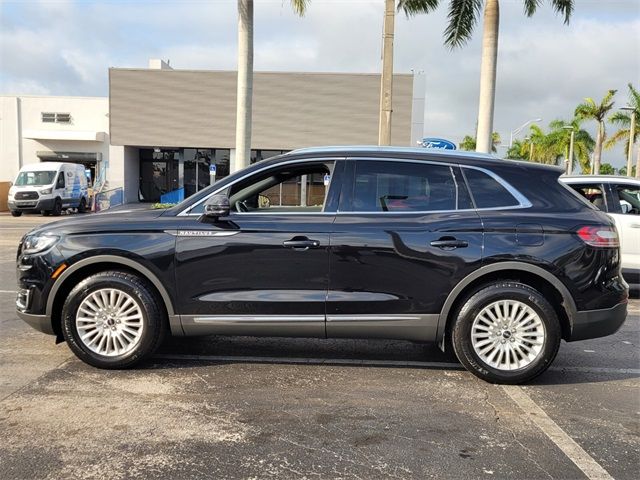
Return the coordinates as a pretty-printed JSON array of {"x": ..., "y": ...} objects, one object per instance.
[
  {"x": 184, "y": 213},
  {"x": 523, "y": 202}
]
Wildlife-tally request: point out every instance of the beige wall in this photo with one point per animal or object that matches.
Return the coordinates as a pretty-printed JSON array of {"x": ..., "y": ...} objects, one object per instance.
[{"x": 178, "y": 108}]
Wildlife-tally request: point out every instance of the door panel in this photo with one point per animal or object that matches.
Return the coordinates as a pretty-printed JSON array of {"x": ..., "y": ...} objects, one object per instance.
[
  {"x": 243, "y": 279},
  {"x": 391, "y": 270}
]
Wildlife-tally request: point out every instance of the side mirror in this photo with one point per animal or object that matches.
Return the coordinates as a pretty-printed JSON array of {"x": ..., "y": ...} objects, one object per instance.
[{"x": 217, "y": 206}]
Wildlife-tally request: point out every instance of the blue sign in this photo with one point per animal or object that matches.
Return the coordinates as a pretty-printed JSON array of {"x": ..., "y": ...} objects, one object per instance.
[
  {"x": 212, "y": 169},
  {"x": 439, "y": 143}
]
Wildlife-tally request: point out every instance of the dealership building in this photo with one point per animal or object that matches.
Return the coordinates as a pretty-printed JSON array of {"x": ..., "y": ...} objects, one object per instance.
[{"x": 160, "y": 130}]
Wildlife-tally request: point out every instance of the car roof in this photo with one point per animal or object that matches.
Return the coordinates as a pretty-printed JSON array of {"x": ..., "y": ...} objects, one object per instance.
[
  {"x": 42, "y": 166},
  {"x": 419, "y": 153},
  {"x": 599, "y": 179}
]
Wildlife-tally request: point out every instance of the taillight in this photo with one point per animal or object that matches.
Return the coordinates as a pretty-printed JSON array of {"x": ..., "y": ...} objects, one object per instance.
[{"x": 600, "y": 236}]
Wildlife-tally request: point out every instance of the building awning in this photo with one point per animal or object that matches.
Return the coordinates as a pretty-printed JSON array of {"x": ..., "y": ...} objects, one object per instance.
[
  {"x": 80, "y": 157},
  {"x": 77, "y": 135}
]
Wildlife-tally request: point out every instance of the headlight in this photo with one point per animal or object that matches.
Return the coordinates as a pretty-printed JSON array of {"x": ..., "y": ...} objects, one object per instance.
[
  {"x": 36, "y": 244},
  {"x": 46, "y": 191}
]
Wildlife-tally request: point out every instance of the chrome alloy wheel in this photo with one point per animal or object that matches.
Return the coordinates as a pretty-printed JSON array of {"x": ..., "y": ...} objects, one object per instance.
[
  {"x": 508, "y": 335},
  {"x": 109, "y": 322}
]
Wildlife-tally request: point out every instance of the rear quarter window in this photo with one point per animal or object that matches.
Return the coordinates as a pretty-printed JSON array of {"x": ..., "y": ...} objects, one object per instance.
[{"x": 487, "y": 192}]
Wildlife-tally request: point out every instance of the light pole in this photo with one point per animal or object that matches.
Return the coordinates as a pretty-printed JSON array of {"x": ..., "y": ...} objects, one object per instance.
[
  {"x": 519, "y": 129},
  {"x": 632, "y": 134},
  {"x": 570, "y": 157}
]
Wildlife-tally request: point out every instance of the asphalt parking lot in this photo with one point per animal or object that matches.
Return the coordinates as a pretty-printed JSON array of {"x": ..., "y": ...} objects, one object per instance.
[{"x": 245, "y": 407}]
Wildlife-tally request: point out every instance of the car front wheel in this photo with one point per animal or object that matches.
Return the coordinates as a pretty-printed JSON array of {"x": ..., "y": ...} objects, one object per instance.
[
  {"x": 506, "y": 333},
  {"x": 112, "y": 320}
]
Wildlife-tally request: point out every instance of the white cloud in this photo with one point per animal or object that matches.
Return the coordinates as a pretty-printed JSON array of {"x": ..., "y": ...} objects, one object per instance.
[{"x": 545, "y": 68}]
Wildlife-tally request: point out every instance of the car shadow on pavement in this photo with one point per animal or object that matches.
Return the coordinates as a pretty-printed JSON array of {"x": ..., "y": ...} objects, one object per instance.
[{"x": 193, "y": 351}]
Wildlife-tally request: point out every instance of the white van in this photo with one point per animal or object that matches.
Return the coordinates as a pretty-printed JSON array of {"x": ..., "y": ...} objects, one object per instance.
[{"x": 49, "y": 187}]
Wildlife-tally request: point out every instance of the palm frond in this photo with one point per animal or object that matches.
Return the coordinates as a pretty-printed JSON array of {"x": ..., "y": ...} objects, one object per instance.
[
  {"x": 300, "y": 6},
  {"x": 414, "y": 7},
  {"x": 619, "y": 136},
  {"x": 620, "y": 118},
  {"x": 530, "y": 6},
  {"x": 564, "y": 7},
  {"x": 463, "y": 16}
]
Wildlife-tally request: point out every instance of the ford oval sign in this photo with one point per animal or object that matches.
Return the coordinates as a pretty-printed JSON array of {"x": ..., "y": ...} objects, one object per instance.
[{"x": 439, "y": 143}]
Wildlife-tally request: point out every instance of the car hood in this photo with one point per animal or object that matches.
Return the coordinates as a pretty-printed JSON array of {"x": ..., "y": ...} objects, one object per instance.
[{"x": 109, "y": 221}]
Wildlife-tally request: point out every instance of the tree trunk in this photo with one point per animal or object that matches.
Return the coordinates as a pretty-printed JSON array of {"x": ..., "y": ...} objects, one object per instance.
[
  {"x": 637, "y": 166},
  {"x": 386, "y": 83},
  {"x": 597, "y": 154},
  {"x": 488, "y": 75},
  {"x": 245, "y": 85}
]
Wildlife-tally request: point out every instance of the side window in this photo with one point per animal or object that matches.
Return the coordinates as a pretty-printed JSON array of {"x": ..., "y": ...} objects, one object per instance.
[
  {"x": 397, "y": 186},
  {"x": 487, "y": 192},
  {"x": 593, "y": 193},
  {"x": 60, "y": 182},
  {"x": 629, "y": 198},
  {"x": 293, "y": 188}
]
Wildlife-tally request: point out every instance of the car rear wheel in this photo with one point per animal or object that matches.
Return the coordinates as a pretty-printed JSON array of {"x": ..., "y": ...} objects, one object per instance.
[
  {"x": 82, "y": 208},
  {"x": 112, "y": 320},
  {"x": 506, "y": 333}
]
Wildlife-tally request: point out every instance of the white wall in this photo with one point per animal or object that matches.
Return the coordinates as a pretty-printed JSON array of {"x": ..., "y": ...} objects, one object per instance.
[
  {"x": 24, "y": 113},
  {"x": 9, "y": 138}
]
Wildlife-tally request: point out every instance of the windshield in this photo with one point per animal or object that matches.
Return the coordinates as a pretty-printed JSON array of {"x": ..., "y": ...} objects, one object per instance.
[{"x": 35, "y": 178}]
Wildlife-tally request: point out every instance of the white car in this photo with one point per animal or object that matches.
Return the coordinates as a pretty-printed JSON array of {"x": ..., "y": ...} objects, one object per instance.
[{"x": 620, "y": 198}]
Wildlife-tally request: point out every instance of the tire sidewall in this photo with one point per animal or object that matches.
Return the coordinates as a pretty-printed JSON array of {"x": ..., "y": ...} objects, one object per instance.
[
  {"x": 152, "y": 320},
  {"x": 57, "y": 208},
  {"x": 506, "y": 291}
]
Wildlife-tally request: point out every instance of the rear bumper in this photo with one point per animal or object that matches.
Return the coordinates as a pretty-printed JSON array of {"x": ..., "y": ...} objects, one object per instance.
[
  {"x": 598, "y": 323},
  {"x": 42, "y": 323}
]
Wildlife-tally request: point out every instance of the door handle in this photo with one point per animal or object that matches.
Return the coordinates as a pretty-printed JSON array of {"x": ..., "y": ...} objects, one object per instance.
[
  {"x": 301, "y": 243},
  {"x": 449, "y": 243}
]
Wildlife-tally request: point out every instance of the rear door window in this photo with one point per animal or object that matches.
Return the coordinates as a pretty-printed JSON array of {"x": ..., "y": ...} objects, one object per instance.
[
  {"x": 593, "y": 193},
  {"x": 400, "y": 186},
  {"x": 487, "y": 192}
]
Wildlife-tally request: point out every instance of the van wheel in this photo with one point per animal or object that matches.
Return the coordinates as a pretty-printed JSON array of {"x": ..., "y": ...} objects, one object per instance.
[
  {"x": 506, "y": 333},
  {"x": 45, "y": 212},
  {"x": 112, "y": 320},
  {"x": 82, "y": 208},
  {"x": 57, "y": 208},
  {"x": 15, "y": 213}
]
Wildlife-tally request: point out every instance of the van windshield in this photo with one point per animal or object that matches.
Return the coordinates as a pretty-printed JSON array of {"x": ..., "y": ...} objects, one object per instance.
[{"x": 35, "y": 178}]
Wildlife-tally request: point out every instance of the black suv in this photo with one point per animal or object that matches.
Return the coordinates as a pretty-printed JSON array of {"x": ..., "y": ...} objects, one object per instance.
[{"x": 495, "y": 259}]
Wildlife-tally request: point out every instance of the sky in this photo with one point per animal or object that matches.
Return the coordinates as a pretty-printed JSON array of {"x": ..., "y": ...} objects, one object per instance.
[{"x": 545, "y": 68}]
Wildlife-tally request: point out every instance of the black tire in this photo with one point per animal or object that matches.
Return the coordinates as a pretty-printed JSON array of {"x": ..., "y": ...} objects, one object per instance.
[
  {"x": 82, "y": 208},
  {"x": 57, "y": 208},
  {"x": 154, "y": 318},
  {"x": 15, "y": 213},
  {"x": 461, "y": 332},
  {"x": 45, "y": 213}
]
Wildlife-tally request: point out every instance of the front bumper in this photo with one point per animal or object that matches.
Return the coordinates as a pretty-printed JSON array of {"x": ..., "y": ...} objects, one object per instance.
[
  {"x": 598, "y": 323},
  {"x": 42, "y": 323},
  {"x": 28, "y": 205}
]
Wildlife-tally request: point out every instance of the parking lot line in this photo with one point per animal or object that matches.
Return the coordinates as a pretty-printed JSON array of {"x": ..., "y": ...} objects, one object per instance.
[
  {"x": 585, "y": 462},
  {"x": 367, "y": 362},
  {"x": 8, "y": 291}
]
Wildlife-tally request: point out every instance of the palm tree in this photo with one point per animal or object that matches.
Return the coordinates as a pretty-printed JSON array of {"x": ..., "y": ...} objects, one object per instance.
[
  {"x": 245, "y": 78},
  {"x": 623, "y": 121},
  {"x": 583, "y": 143},
  {"x": 463, "y": 16},
  {"x": 469, "y": 143},
  {"x": 410, "y": 8},
  {"x": 590, "y": 110}
]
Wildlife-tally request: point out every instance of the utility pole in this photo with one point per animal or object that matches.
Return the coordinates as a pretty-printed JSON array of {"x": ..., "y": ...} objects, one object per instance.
[
  {"x": 386, "y": 83},
  {"x": 570, "y": 156}
]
